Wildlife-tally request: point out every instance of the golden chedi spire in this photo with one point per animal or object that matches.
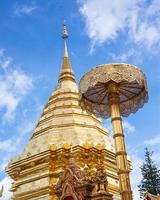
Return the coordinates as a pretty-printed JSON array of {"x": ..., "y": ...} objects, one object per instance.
[
  {"x": 63, "y": 130},
  {"x": 62, "y": 117},
  {"x": 66, "y": 70}
]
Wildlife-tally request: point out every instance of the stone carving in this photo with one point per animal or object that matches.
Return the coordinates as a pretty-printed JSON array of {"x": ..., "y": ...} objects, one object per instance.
[
  {"x": 101, "y": 179},
  {"x": 75, "y": 183},
  {"x": 70, "y": 182}
]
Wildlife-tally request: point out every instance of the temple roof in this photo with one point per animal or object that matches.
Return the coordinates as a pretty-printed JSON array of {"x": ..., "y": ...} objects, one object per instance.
[{"x": 63, "y": 120}]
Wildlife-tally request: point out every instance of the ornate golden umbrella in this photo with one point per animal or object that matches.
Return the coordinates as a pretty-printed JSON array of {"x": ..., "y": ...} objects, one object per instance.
[{"x": 115, "y": 90}]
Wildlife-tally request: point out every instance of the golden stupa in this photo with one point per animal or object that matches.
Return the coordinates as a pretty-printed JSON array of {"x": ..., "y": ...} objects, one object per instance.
[{"x": 64, "y": 130}]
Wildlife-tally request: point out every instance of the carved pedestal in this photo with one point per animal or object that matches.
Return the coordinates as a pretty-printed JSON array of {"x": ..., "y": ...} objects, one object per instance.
[{"x": 102, "y": 196}]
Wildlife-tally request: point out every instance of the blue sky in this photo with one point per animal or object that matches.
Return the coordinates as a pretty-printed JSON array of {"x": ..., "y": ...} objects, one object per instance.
[{"x": 103, "y": 31}]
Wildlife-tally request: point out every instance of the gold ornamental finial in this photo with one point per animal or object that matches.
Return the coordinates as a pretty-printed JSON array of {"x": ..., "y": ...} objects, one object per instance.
[
  {"x": 64, "y": 32},
  {"x": 65, "y": 36},
  {"x": 66, "y": 70}
]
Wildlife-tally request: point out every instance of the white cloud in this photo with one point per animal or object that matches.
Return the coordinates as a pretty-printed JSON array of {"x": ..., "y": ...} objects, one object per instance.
[
  {"x": 24, "y": 9},
  {"x": 6, "y": 183},
  {"x": 153, "y": 141},
  {"x": 11, "y": 146},
  {"x": 123, "y": 57},
  {"x": 23, "y": 129},
  {"x": 107, "y": 124},
  {"x": 155, "y": 157},
  {"x": 147, "y": 34},
  {"x": 5, "y": 144},
  {"x": 154, "y": 8},
  {"x": 1, "y": 52},
  {"x": 3, "y": 165},
  {"x": 128, "y": 127},
  {"x": 4, "y": 61},
  {"x": 14, "y": 86},
  {"x": 105, "y": 20},
  {"x": 136, "y": 176}
]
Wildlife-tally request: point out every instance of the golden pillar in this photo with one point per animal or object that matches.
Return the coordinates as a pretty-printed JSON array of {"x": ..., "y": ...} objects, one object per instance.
[{"x": 121, "y": 155}]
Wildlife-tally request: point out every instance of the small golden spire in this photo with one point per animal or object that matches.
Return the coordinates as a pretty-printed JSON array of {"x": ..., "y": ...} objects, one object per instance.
[{"x": 66, "y": 71}]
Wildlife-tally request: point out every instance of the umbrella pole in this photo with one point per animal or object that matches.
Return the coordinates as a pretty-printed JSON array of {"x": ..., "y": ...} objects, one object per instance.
[{"x": 121, "y": 155}]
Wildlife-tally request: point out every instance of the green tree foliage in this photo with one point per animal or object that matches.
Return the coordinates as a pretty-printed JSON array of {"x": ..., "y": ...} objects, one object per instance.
[{"x": 150, "y": 176}]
